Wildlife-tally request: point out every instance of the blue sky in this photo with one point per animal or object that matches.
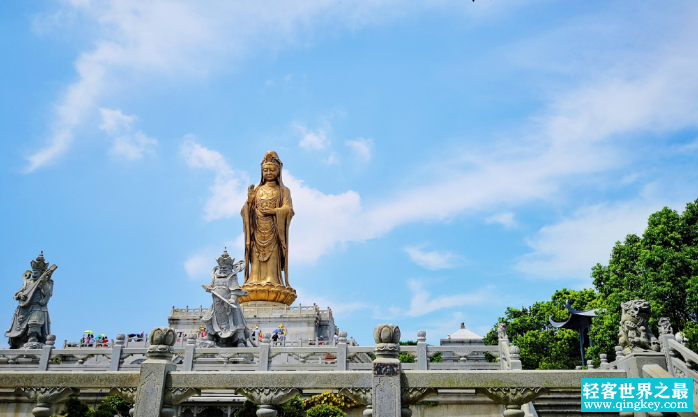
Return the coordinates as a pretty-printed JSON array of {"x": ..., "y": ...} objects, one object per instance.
[{"x": 446, "y": 159}]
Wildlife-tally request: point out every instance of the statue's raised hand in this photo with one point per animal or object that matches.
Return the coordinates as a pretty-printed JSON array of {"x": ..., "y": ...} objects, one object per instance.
[{"x": 250, "y": 192}]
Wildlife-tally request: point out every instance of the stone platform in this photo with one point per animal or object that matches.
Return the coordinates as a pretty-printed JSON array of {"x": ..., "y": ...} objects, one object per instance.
[{"x": 304, "y": 324}]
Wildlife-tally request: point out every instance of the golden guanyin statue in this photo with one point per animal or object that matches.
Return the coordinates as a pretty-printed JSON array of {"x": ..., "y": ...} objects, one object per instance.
[{"x": 266, "y": 217}]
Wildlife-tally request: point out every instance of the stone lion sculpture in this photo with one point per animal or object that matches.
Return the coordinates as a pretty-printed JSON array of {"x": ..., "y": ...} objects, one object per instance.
[{"x": 635, "y": 334}]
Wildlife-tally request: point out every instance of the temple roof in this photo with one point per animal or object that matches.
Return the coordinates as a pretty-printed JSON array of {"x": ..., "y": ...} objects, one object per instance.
[
  {"x": 577, "y": 320},
  {"x": 463, "y": 335}
]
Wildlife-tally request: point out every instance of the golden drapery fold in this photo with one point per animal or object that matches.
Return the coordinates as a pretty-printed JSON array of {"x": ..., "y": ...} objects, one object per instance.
[{"x": 278, "y": 261}]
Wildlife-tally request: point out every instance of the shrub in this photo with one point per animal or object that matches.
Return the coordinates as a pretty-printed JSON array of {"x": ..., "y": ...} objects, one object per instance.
[
  {"x": 248, "y": 409},
  {"x": 76, "y": 408},
  {"x": 329, "y": 398},
  {"x": 406, "y": 358},
  {"x": 324, "y": 410},
  {"x": 291, "y": 408}
]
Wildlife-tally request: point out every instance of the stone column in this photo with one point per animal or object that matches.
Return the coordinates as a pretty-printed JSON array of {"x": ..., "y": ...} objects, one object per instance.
[
  {"x": 264, "y": 352},
  {"x": 342, "y": 351},
  {"x": 116, "y": 352},
  {"x": 422, "y": 358},
  {"x": 151, "y": 388},
  {"x": 386, "y": 372},
  {"x": 189, "y": 350},
  {"x": 46, "y": 352}
]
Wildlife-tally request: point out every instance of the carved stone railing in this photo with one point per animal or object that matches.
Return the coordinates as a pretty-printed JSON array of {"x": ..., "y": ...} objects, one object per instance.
[
  {"x": 187, "y": 357},
  {"x": 681, "y": 362},
  {"x": 170, "y": 376}
]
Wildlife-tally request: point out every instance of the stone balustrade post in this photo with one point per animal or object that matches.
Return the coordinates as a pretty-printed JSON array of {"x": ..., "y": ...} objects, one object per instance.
[
  {"x": 422, "y": 358},
  {"x": 515, "y": 362},
  {"x": 590, "y": 364},
  {"x": 189, "y": 350},
  {"x": 116, "y": 352},
  {"x": 342, "y": 351},
  {"x": 603, "y": 359},
  {"x": 150, "y": 396},
  {"x": 46, "y": 352},
  {"x": 264, "y": 352},
  {"x": 386, "y": 392}
]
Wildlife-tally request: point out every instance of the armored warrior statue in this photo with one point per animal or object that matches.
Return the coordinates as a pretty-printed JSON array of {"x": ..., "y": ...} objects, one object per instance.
[
  {"x": 224, "y": 322},
  {"x": 31, "y": 323}
]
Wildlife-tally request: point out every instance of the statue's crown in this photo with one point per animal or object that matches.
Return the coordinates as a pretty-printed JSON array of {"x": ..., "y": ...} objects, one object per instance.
[
  {"x": 271, "y": 158},
  {"x": 40, "y": 263},
  {"x": 225, "y": 259}
]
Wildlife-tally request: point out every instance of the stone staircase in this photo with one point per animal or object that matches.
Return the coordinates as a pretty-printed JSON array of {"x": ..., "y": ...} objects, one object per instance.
[
  {"x": 559, "y": 403},
  {"x": 563, "y": 402}
]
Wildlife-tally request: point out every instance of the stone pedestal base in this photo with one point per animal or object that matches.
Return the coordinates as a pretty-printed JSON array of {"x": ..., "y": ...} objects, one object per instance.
[
  {"x": 302, "y": 323},
  {"x": 268, "y": 292}
]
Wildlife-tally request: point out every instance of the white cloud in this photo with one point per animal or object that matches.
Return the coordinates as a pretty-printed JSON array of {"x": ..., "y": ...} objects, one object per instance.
[
  {"x": 362, "y": 147},
  {"x": 140, "y": 39},
  {"x": 433, "y": 260},
  {"x": 569, "y": 248},
  {"x": 312, "y": 140},
  {"x": 423, "y": 303},
  {"x": 114, "y": 122},
  {"x": 228, "y": 192},
  {"x": 340, "y": 309},
  {"x": 332, "y": 159},
  {"x": 199, "y": 265},
  {"x": 126, "y": 144},
  {"x": 505, "y": 219}
]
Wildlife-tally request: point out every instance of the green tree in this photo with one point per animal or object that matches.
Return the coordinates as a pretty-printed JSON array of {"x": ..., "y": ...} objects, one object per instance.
[
  {"x": 541, "y": 345},
  {"x": 660, "y": 267}
]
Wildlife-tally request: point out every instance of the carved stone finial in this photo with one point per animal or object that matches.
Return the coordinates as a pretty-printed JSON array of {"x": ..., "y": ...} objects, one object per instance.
[
  {"x": 161, "y": 341},
  {"x": 266, "y": 338},
  {"x": 634, "y": 334},
  {"x": 387, "y": 337},
  {"x": 514, "y": 352},
  {"x": 665, "y": 326},
  {"x": 604, "y": 359},
  {"x": 191, "y": 339},
  {"x": 120, "y": 339},
  {"x": 342, "y": 337},
  {"x": 421, "y": 336},
  {"x": 386, "y": 333},
  {"x": 51, "y": 340},
  {"x": 502, "y": 331},
  {"x": 590, "y": 364}
]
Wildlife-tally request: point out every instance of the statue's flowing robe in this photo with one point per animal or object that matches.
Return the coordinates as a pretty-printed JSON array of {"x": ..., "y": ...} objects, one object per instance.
[
  {"x": 264, "y": 264},
  {"x": 223, "y": 320},
  {"x": 31, "y": 312}
]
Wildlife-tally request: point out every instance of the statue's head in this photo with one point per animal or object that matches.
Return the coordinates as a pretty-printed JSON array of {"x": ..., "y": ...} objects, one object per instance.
[
  {"x": 225, "y": 263},
  {"x": 271, "y": 167},
  {"x": 38, "y": 266}
]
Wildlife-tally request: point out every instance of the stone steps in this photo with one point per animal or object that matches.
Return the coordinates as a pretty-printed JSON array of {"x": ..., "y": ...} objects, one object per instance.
[{"x": 559, "y": 403}]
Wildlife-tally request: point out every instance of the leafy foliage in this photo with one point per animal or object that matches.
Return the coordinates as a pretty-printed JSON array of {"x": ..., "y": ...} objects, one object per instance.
[
  {"x": 437, "y": 358},
  {"x": 660, "y": 267},
  {"x": 74, "y": 407},
  {"x": 324, "y": 410},
  {"x": 291, "y": 408},
  {"x": 542, "y": 346},
  {"x": 406, "y": 357},
  {"x": 248, "y": 409},
  {"x": 110, "y": 406},
  {"x": 329, "y": 398}
]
